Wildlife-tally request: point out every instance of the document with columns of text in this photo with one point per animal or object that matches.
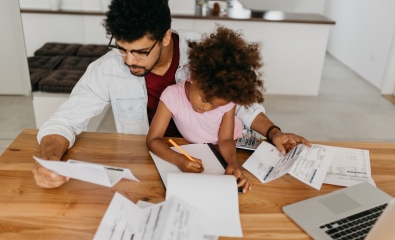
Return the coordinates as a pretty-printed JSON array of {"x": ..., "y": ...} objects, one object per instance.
[
  {"x": 308, "y": 164},
  {"x": 170, "y": 220}
]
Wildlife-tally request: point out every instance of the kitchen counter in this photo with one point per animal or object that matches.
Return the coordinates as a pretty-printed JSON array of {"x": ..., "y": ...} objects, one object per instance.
[{"x": 239, "y": 15}]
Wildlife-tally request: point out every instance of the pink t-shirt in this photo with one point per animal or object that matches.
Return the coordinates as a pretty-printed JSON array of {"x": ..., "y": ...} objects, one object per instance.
[{"x": 196, "y": 127}]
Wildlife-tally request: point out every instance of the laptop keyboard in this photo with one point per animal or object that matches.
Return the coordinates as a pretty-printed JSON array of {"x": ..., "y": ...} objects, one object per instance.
[{"x": 355, "y": 226}]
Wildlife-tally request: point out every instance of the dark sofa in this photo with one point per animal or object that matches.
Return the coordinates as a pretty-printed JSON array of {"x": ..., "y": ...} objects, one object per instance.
[{"x": 57, "y": 67}]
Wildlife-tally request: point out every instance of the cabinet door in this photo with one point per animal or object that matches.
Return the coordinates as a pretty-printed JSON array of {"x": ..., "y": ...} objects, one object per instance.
[{"x": 14, "y": 78}]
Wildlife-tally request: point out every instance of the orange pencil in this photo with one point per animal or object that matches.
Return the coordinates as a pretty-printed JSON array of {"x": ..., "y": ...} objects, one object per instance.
[{"x": 178, "y": 147}]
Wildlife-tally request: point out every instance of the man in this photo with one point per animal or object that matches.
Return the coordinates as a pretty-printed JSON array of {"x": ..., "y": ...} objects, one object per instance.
[{"x": 146, "y": 57}]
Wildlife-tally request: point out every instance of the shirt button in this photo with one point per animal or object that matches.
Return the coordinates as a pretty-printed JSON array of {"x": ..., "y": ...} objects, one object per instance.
[
  {"x": 131, "y": 108},
  {"x": 179, "y": 67},
  {"x": 179, "y": 80}
]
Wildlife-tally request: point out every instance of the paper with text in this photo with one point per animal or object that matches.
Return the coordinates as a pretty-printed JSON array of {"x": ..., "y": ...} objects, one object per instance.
[
  {"x": 144, "y": 204},
  {"x": 89, "y": 172},
  {"x": 312, "y": 165},
  {"x": 309, "y": 165},
  {"x": 200, "y": 151},
  {"x": 170, "y": 220},
  {"x": 215, "y": 195},
  {"x": 349, "y": 167}
]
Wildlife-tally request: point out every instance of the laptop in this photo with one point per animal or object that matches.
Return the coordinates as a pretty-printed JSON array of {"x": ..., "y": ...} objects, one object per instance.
[{"x": 349, "y": 213}]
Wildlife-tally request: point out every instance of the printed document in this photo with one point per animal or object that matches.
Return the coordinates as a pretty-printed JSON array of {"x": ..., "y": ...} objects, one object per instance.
[
  {"x": 201, "y": 151},
  {"x": 170, "y": 220},
  {"x": 214, "y": 195},
  {"x": 144, "y": 204},
  {"x": 89, "y": 172},
  {"x": 308, "y": 164},
  {"x": 349, "y": 167}
]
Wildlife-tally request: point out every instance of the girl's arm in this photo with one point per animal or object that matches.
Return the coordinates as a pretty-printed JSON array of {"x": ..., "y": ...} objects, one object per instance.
[
  {"x": 156, "y": 145},
  {"x": 227, "y": 148}
]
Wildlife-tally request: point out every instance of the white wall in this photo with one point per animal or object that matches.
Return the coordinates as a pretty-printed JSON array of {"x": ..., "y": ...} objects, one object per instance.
[
  {"x": 14, "y": 78},
  {"x": 363, "y": 35},
  {"x": 182, "y": 6}
]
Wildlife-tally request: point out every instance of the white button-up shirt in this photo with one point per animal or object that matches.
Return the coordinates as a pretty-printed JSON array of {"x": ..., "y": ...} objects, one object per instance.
[{"x": 109, "y": 81}]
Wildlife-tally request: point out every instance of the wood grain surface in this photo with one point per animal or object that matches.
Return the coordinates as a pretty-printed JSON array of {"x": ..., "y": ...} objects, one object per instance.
[{"x": 74, "y": 210}]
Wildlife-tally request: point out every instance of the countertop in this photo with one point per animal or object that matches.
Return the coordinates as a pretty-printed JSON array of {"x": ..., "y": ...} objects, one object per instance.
[{"x": 232, "y": 15}]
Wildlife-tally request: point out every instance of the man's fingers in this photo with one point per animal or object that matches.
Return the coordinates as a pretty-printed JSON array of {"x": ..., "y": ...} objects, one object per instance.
[
  {"x": 48, "y": 174},
  {"x": 50, "y": 184},
  {"x": 281, "y": 148},
  {"x": 305, "y": 141},
  {"x": 292, "y": 141}
]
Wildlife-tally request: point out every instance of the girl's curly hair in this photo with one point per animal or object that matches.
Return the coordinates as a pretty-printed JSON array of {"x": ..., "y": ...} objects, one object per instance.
[{"x": 225, "y": 66}]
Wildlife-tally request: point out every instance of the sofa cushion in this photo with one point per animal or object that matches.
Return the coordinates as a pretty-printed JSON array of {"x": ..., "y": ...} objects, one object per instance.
[
  {"x": 77, "y": 63},
  {"x": 60, "y": 81},
  {"x": 92, "y": 50},
  {"x": 36, "y": 75},
  {"x": 44, "y": 62},
  {"x": 57, "y": 49}
]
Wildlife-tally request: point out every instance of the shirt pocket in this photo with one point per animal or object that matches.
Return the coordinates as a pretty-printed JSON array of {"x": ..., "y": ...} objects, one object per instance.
[{"x": 131, "y": 111}]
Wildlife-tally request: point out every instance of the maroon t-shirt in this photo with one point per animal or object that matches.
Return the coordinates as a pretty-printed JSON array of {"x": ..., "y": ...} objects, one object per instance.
[{"x": 156, "y": 84}]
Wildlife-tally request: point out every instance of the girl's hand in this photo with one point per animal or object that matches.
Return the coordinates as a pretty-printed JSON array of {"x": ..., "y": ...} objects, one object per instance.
[
  {"x": 186, "y": 165},
  {"x": 234, "y": 169}
]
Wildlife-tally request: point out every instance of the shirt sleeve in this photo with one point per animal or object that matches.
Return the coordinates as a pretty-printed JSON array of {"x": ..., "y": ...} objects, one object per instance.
[
  {"x": 168, "y": 97},
  {"x": 88, "y": 99},
  {"x": 247, "y": 115},
  {"x": 226, "y": 108}
]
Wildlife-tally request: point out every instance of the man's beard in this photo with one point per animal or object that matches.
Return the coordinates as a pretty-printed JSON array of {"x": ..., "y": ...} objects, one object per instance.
[{"x": 146, "y": 71}]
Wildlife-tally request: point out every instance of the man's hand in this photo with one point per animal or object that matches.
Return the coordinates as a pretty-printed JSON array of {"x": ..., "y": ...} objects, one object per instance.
[
  {"x": 283, "y": 141},
  {"x": 52, "y": 148},
  {"x": 46, "y": 178},
  {"x": 286, "y": 141}
]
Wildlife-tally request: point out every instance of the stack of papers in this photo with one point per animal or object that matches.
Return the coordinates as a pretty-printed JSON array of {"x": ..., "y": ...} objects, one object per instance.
[
  {"x": 312, "y": 165},
  {"x": 168, "y": 220},
  {"x": 197, "y": 207},
  {"x": 308, "y": 164},
  {"x": 349, "y": 167},
  {"x": 89, "y": 172}
]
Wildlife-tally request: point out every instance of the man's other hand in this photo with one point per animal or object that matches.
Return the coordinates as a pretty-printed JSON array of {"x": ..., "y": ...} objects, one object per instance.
[
  {"x": 286, "y": 141},
  {"x": 46, "y": 178}
]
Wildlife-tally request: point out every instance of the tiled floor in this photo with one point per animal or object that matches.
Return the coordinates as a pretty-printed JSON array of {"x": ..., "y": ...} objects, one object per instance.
[{"x": 347, "y": 109}]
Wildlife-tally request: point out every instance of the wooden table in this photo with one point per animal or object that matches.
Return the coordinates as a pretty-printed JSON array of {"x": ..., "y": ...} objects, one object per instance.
[{"x": 75, "y": 210}]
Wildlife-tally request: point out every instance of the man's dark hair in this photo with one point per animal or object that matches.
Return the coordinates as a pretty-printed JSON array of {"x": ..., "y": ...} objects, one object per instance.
[
  {"x": 130, "y": 20},
  {"x": 225, "y": 66}
]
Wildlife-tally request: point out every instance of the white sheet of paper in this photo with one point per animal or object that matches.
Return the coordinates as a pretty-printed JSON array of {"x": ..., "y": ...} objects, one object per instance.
[
  {"x": 89, "y": 172},
  {"x": 144, "y": 204},
  {"x": 260, "y": 166},
  {"x": 349, "y": 167},
  {"x": 286, "y": 162},
  {"x": 200, "y": 151},
  {"x": 312, "y": 165},
  {"x": 308, "y": 164},
  {"x": 168, "y": 220},
  {"x": 215, "y": 195}
]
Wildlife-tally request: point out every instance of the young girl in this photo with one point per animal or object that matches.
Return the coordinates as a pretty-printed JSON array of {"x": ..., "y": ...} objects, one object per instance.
[{"x": 223, "y": 73}]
